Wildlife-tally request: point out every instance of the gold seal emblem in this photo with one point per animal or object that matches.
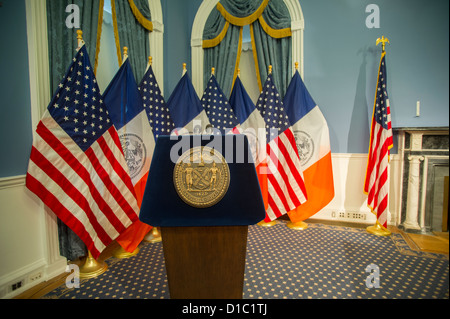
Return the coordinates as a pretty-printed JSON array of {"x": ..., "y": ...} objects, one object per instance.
[{"x": 201, "y": 177}]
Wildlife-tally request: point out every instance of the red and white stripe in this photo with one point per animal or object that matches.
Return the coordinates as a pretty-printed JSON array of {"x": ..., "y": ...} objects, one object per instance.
[
  {"x": 377, "y": 175},
  {"x": 91, "y": 191},
  {"x": 286, "y": 186}
]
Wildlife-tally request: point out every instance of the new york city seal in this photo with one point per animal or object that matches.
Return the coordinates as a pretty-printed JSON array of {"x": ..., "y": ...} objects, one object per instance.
[{"x": 201, "y": 177}]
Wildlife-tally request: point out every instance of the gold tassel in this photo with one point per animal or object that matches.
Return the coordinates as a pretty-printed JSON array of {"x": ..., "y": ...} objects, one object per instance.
[
  {"x": 210, "y": 43},
  {"x": 274, "y": 33},
  {"x": 245, "y": 20},
  {"x": 99, "y": 35},
  {"x": 116, "y": 31},
  {"x": 147, "y": 24}
]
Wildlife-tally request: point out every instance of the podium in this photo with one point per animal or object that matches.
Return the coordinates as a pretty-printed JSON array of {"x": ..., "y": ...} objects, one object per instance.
[{"x": 203, "y": 217}]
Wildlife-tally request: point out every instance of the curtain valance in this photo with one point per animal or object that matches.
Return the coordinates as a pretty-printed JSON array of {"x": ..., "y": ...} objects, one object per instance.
[
  {"x": 241, "y": 12},
  {"x": 272, "y": 15},
  {"x": 270, "y": 29}
]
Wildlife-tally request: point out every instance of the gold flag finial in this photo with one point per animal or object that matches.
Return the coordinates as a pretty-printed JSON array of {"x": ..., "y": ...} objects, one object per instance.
[
  {"x": 270, "y": 69},
  {"x": 150, "y": 60},
  {"x": 383, "y": 41},
  {"x": 184, "y": 66},
  {"x": 239, "y": 72},
  {"x": 213, "y": 70},
  {"x": 296, "y": 65},
  {"x": 80, "y": 38},
  {"x": 125, "y": 53}
]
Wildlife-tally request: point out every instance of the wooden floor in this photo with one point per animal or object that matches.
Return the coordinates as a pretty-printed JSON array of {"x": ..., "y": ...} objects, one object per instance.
[{"x": 436, "y": 243}]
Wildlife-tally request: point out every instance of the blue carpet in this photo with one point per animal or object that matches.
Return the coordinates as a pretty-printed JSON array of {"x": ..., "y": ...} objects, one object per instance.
[{"x": 320, "y": 262}]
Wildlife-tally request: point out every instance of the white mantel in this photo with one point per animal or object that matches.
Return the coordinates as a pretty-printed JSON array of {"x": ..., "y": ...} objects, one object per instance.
[{"x": 419, "y": 149}]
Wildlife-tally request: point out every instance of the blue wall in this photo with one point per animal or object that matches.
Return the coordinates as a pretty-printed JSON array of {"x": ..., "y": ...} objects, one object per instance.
[
  {"x": 15, "y": 115},
  {"x": 178, "y": 18},
  {"x": 341, "y": 63}
]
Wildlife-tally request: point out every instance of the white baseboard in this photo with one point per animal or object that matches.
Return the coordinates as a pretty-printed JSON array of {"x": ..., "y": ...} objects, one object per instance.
[{"x": 23, "y": 279}]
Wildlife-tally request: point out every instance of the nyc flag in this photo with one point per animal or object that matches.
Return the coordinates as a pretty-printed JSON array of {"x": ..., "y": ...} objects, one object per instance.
[
  {"x": 253, "y": 126},
  {"x": 218, "y": 109},
  {"x": 76, "y": 165},
  {"x": 376, "y": 184},
  {"x": 313, "y": 144},
  {"x": 185, "y": 108},
  {"x": 286, "y": 187},
  {"x": 124, "y": 103}
]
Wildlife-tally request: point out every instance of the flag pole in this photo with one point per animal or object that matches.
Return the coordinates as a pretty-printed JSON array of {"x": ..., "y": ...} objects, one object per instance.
[
  {"x": 153, "y": 236},
  {"x": 378, "y": 229},
  {"x": 120, "y": 252},
  {"x": 301, "y": 225},
  {"x": 273, "y": 222},
  {"x": 91, "y": 267}
]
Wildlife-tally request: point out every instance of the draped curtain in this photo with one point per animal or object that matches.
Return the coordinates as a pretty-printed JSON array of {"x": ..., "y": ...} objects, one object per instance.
[
  {"x": 270, "y": 31},
  {"x": 62, "y": 41},
  {"x": 132, "y": 24},
  {"x": 62, "y": 45}
]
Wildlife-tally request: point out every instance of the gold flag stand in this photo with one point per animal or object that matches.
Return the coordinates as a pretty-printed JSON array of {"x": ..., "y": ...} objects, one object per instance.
[
  {"x": 268, "y": 224},
  {"x": 121, "y": 253},
  {"x": 154, "y": 236},
  {"x": 378, "y": 229},
  {"x": 297, "y": 225},
  {"x": 92, "y": 268}
]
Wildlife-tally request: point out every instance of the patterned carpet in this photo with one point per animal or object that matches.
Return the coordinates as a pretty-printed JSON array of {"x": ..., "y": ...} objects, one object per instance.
[{"x": 321, "y": 262}]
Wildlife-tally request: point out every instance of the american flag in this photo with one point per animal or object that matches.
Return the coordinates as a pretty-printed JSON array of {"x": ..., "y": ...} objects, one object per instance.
[
  {"x": 218, "y": 109},
  {"x": 155, "y": 105},
  {"x": 285, "y": 179},
  {"x": 376, "y": 183},
  {"x": 77, "y": 167}
]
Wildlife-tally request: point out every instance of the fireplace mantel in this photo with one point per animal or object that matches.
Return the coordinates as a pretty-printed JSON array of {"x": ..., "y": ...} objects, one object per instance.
[{"x": 424, "y": 154}]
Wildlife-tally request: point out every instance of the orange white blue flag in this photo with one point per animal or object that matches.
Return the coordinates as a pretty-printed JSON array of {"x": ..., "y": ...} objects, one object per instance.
[
  {"x": 252, "y": 124},
  {"x": 186, "y": 109},
  {"x": 125, "y": 106},
  {"x": 313, "y": 144}
]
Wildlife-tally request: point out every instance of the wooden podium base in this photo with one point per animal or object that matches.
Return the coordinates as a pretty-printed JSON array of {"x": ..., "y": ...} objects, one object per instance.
[{"x": 205, "y": 262}]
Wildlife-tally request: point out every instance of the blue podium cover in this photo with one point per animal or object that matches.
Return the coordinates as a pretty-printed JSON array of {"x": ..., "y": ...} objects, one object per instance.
[{"x": 242, "y": 204}]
